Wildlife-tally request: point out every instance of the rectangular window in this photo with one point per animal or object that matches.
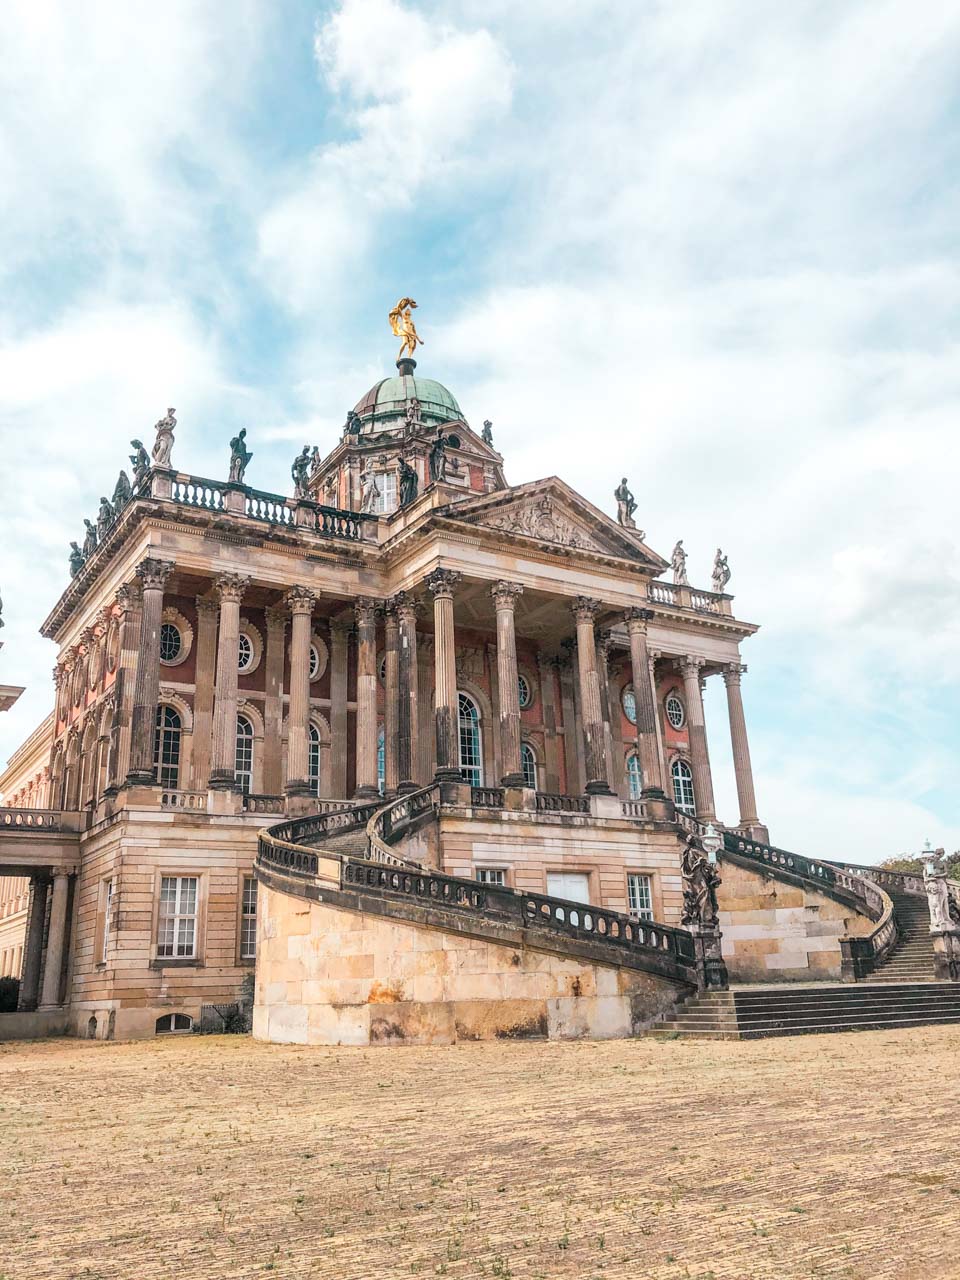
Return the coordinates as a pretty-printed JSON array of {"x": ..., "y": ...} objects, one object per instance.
[
  {"x": 177, "y": 928},
  {"x": 386, "y": 499},
  {"x": 248, "y": 920},
  {"x": 491, "y": 875},
  {"x": 640, "y": 896},
  {"x": 107, "y": 916}
]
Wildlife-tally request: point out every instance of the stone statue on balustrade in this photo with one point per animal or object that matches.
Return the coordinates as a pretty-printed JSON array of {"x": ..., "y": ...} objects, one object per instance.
[
  {"x": 352, "y": 425},
  {"x": 409, "y": 483},
  {"x": 678, "y": 563},
  {"x": 721, "y": 572},
  {"x": 300, "y": 471},
  {"x": 90, "y": 540},
  {"x": 626, "y": 505},
  {"x": 240, "y": 457},
  {"x": 486, "y": 435},
  {"x": 140, "y": 461},
  {"x": 412, "y": 419},
  {"x": 438, "y": 458},
  {"x": 369, "y": 489},
  {"x": 700, "y": 882},
  {"x": 105, "y": 518},
  {"x": 122, "y": 492},
  {"x": 76, "y": 559},
  {"x": 163, "y": 445}
]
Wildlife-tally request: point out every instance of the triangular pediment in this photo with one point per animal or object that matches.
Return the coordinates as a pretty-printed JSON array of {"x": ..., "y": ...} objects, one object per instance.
[{"x": 549, "y": 512}]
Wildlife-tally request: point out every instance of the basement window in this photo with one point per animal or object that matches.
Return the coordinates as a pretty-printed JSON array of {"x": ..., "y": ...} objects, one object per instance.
[{"x": 171, "y": 1022}]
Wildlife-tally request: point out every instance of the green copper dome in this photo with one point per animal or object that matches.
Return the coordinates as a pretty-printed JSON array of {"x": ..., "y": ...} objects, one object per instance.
[{"x": 387, "y": 402}]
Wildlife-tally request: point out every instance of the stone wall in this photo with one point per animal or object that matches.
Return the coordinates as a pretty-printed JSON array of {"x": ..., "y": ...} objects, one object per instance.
[
  {"x": 776, "y": 932},
  {"x": 330, "y": 976}
]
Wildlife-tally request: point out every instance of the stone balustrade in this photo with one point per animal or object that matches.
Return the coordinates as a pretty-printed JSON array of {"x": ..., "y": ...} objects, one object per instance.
[
  {"x": 270, "y": 507},
  {"x": 39, "y": 820},
  {"x": 486, "y": 797},
  {"x": 192, "y": 491},
  {"x": 192, "y": 800},
  {"x": 262, "y": 804},
  {"x": 548, "y": 802}
]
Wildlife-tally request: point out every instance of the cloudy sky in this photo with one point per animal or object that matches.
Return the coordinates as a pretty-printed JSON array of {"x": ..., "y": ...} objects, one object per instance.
[{"x": 712, "y": 247}]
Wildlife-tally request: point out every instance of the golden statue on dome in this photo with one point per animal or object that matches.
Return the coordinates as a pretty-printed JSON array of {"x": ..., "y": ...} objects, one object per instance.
[{"x": 401, "y": 322}]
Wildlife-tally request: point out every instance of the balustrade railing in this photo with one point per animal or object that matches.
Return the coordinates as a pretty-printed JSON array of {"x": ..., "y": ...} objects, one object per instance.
[
  {"x": 263, "y": 804},
  {"x": 40, "y": 820},
  {"x": 705, "y": 603},
  {"x": 270, "y": 507},
  {"x": 396, "y": 819},
  {"x": 196, "y": 800},
  {"x": 486, "y": 797},
  {"x": 334, "y": 523},
  {"x": 548, "y": 802},
  {"x": 899, "y": 881},
  {"x": 633, "y": 809},
  {"x": 192, "y": 491},
  {"x": 664, "y": 593}
]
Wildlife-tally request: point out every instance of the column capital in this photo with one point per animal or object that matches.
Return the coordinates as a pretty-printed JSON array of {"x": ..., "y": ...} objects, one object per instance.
[
  {"x": 637, "y": 619},
  {"x": 341, "y": 628},
  {"x": 128, "y": 596},
  {"x": 206, "y": 608},
  {"x": 691, "y": 665},
  {"x": 366, "y": 610},
  {"x": 277, "y": 619},
  {"x": 231, "y": 586},
  {"x": 441, "y": 582},
  {"x": 505, "y": 593},
  {"x": 153, "y": 573},
  {"x": 604, "y": 641},
  {"x": 585, "y": 609},
  {"x": 732, "y": 672},
  {"x": 406, "y": 607},
  {"x": 300, "y": 600}
]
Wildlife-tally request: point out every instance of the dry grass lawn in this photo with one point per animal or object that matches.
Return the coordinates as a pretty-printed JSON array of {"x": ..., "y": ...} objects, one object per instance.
[{"x": 218, "y": 1157}]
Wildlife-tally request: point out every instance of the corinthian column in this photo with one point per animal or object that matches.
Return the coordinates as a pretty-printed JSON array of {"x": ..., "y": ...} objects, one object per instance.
[
  {"x": 152, "y": 574},
  {"x": 741, "y": 748},
  {"x": 300, "y": 601},
  {"x": 441, "y": 584},
  {"x": 505, "y": 598},
  {"x": 391, "y": 719},
  {"x": 648, "y": 748},
  {"x": 585, "y": 612},
  {"x": 223, "y": 757},
  {"x": 696, "y": 727},
  {"x": 56, "y": 942},
  {"x": 366, "y": 613},
  {"x": 128, "y": 602},
  {"x": 408, "y": 681}
]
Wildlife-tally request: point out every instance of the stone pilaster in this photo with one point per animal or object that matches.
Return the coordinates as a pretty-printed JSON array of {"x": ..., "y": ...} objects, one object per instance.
[
  {"x": 505, "y": 596},
  {"x": 648, "y": 747},
  {"x": 391, "y": 697},
  {"x": 340, "y": 629},
  {"x": 742, "y": 767},
  {"x": 300, "y": 601},
  {"x": 273, "y": 703},
  {"x": 408, "y": 693},
  {"x": 223, "y": 757},
  {"x": 56, "y": 942},
  {"x": 153, "y": 574},
  {"x": 546, "y": 669},
  {"x": 206, "y": 669},
  {"x": 124, "y": 689},
  {"x": 33, "y": 945},
  {"x": 366, "y": 615},
  {"x": 585, "y": 612},
  {"x": 446, "y": 709},
  {"x": 690, "y": 667}
]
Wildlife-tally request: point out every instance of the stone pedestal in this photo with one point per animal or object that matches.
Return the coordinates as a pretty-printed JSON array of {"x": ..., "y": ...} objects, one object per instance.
[
  {"x": 711, "y": 968},
  {"x": 235, "y": 499},
  {"x": 520, "y": 799}
]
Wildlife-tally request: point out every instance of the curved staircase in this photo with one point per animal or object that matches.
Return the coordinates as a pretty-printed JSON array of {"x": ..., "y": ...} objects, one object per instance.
[{"x": 911, "y": 960}]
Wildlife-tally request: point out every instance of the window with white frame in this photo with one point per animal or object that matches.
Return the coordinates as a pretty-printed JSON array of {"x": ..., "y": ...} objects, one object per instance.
[
  {"x": 177, "y": 922},
  {"x": 171, "y": 642},
  {"x": 386, "y": 499},
  {"x": 243, "y": 765},
  {"x": 248, "y": 919},
  {"x": 683, "y": 796},
  {"x": 491, "y": 875},
  {"x": 245, "y": 652},
  {"x": 173, "y": 1022},
  {"x": 471, "y": 756},
  {"x": 313, "y": 759},
  {"x": 634, "y": 775},
  {"x": 528, "y": 763},
  {"x": 314, "y": 662},
  {"x": 628, "y": 700},
  {"x": 640, "y": 895},
  {"x": 107, "y": 914},
  {"x": 674, "y": 709},
  {"x": 166, "y": 747},
  {"x": 524, "y": 691}
]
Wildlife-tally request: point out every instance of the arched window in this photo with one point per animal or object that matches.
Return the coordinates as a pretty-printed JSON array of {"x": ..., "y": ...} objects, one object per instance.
[
  {"x": 166, "y": 747},
  {"x": 171, "y": 642},
  {"x": 634, "y": 776},
  {"x": 683, "y": 796},
  {"x": 524, "y": 692},
  {"x": 381, "y": 761},
  {"x": 674, "y": 709},
  {"x": 313, "y": 759},
  {"x": 628, "y": 700},
  {"x": 244, "y": 761},
  {"x": 528, "y": 763},
  {"x": 471, "y": 753},
  {"x": 173, "y": 1022}
]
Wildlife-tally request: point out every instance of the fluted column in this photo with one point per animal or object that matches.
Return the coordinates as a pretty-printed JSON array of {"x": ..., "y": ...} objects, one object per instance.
[
  {"x": 273, "y": 703},
  {"x": 603, "y": 642},
  {"x": 741, "y": 748},
  {"x": 585, "y": 612},
  {"x": 366, "y": 614},
  {"x": 505, "y": 595},
  {"x": 152, "y": 574},
  {"x": 300, "y": 601},
  {"x": 56, "y": 941},
  {"x": 546, "y": 667},
  {"x": 648, "y": 748},
  {"x": 128, "y": 602},
  {"x": 33, "y": 945},
  {"x": 696, "y": 727},
  {"x": 340, "y": 629},
  {"x": 446, "y": 714},
  {"x": 203, "y": 697},
  {"x": 391, "y": 696},
  {"x": 408, "y": 682},
  {"x": 223, "y": 758}
]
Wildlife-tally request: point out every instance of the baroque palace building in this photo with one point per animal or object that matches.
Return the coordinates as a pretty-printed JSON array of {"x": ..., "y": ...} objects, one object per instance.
[{"x": 407, "y": 664}]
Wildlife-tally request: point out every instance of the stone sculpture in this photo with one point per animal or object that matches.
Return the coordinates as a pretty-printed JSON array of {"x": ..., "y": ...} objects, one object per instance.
[
  {"x": 721, "y": 572},
  {"x": 438, "y": 458},
  {"x": 352, "y": 425},
  {"x": 122, "y": 492},
  {"x": 412, "y": 417},
  {"x": 700, "y": 882},
  {"x": 409, "y": 483},
  {"x": 76, "y": 559},
  {"x": 105, "y": 518},
  {"x": 140, "y": 461},
  {"x": 626, "y": 505},
  {"x": 678, "y": 562},
  {"x": 300, "y": 470},
  {"x": 163, "y": 445},
  {"x": 486, "y": 435},
  {"x": 240, "y": 457},
  {"x": 90, "y": 541},
  {"x": 369, "y": 489}
]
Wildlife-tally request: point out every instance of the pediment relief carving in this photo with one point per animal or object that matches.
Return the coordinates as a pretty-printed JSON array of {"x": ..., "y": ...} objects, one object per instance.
[{"x": 544, "y": 519}]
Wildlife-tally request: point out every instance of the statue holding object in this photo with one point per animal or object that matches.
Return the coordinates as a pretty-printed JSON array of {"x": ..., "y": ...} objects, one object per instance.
[
  {"x": 721, "y": 572},
  {"x": 122, "y": 492},
  {"x": 76, "y": 559},
  {"x": 700, "y": 882},
  {"x": 369, "y": 489},
  {"x": 409, "y": 483},
  {"x": 401, "y": 322},
  {"x": 299, "y": 471},
  {"x": 678, "y": 563},
  {"x": 240, "y": 457},
  {"x": 105, "y": 518},
  {"x": 626, "y": 505},
  {"x": 486, "y": 435},
  {"x": 438, "y": 458},
  {"x": 163, "y": 445},
  {"x": 90, "y": 541},
  {"x": 140, "y": 461}
]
